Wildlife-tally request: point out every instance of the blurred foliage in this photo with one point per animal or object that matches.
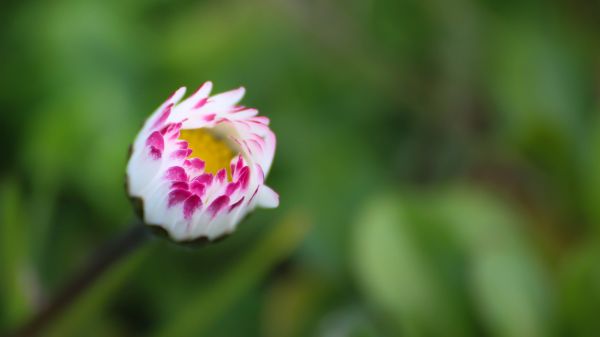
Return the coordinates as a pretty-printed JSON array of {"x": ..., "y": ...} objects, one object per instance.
[{"x": 445, "y": 153}]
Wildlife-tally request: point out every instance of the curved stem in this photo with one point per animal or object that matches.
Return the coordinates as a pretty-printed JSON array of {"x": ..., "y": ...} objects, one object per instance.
[{"x": 106, "y": 257}]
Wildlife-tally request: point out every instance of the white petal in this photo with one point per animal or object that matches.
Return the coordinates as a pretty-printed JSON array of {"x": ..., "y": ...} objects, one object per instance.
[
  {"x": 227, "y": 99},
  {"x": 267, "y": 198}
]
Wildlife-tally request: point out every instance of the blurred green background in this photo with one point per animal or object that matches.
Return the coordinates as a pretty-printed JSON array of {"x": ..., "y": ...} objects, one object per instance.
[{"x": 438, "y": 164}]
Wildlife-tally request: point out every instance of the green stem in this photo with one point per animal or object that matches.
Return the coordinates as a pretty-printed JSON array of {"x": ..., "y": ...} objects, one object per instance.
[{"x": 106, "y": 257}]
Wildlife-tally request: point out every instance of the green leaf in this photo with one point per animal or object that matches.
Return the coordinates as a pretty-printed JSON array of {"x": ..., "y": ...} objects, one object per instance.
[
  {"x": 396, "y": 272},
  {"x": 433, "y": 262},
  {"x": 506, "y": 280}
]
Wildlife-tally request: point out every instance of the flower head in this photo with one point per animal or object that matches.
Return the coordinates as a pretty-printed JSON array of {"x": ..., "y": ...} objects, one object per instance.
[{"x": 198, "y": 166}]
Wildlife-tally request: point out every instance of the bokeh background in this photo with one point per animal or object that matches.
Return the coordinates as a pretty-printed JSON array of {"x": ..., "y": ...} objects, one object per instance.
[{"x": 438, "y": 164}]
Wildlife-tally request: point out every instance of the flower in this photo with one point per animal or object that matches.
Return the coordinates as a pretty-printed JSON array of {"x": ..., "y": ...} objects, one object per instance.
[{"x": 198, "y": 166}]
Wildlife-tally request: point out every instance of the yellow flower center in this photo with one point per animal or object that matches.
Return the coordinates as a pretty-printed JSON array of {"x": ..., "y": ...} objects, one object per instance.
[{"x": 213, "y": 150}]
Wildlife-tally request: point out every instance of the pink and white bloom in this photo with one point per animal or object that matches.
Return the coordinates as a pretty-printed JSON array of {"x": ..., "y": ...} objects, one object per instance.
[{"x": 198, "y": 166}]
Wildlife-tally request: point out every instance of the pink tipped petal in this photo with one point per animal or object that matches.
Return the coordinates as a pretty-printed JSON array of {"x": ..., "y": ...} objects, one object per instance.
[
  {"x": 173, "y": 135},
  {"x": 177, "y": 196},
  {"x": 218, "y": 204},
  {"x": 221, "y": 175},
  {"x": 194, "y": 166},
  {"x": 236, "y": 204},
  {"x": 156, "y": 140},
  {"x": 164, "y": 115},
  {"x": 245, "y": 113},
  {"x": 205, "y": 178},
  {"x": 201, "y": 103},
  {"x": 154, "y": 153},
  {"x": 181, "y": 154},
  {"x": 190, "y": 206},
  {"x": 231, "y": 188},
  {"x": 166, "y": 129},
  {"x": 179, "y": 185},
  {"x": 177, "y": 95},
  {"x": 244, "y": 178},
  {"x": 176, "y": 173},
  {"x": 182, "y": 145},
  {"x": 236, "y": 166},
  {"x": 209, "y": 117},
  {"x": 197, "y": 163},
  {"x": 260, "y": 120},
  {"x": 204, "y": 90},
  {"x": 239, "y": 163},
  {"x": 197, "y": 188},
  {"x": 171, "y": 131}
]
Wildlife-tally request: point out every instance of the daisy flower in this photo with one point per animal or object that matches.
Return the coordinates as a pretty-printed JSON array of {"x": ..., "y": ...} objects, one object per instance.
[{"x": 198, "y": 166}]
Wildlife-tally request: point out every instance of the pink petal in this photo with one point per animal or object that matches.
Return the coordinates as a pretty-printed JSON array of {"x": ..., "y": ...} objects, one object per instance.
[
  {"x": 221, "y": 175},
  {"x": 204, "y": 89},
  {"x": 201, "y": 103},
  {"x": 156, "y": 140},
  {"x": 231, "y": 188},
  {"x": 164, "y": 115},
  {"x": 197, "y": 164},
  {"x": 154, "y": 153},
  {"x": 197, "y": 188},
  {"x": 218, "y": 204},
  {"x": 179, "y": 185},
  {"x": 205, "y": 178},
  {"x": 244, "y": 178},
  {"x": 176, "y": 173},
  {"x": 238, "y": 165},
  {"x": 177, "y": 196},
  {"x": 190, "y": 205},
  {"x": 182, "y": 145},
  {"x": 171, "y": 130},
  {"x": 209, "y": 117},
  {"x": 194, "y": 166},
  {"x": 180, "y": 154},
  {"x": 201, "y": 95}
]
